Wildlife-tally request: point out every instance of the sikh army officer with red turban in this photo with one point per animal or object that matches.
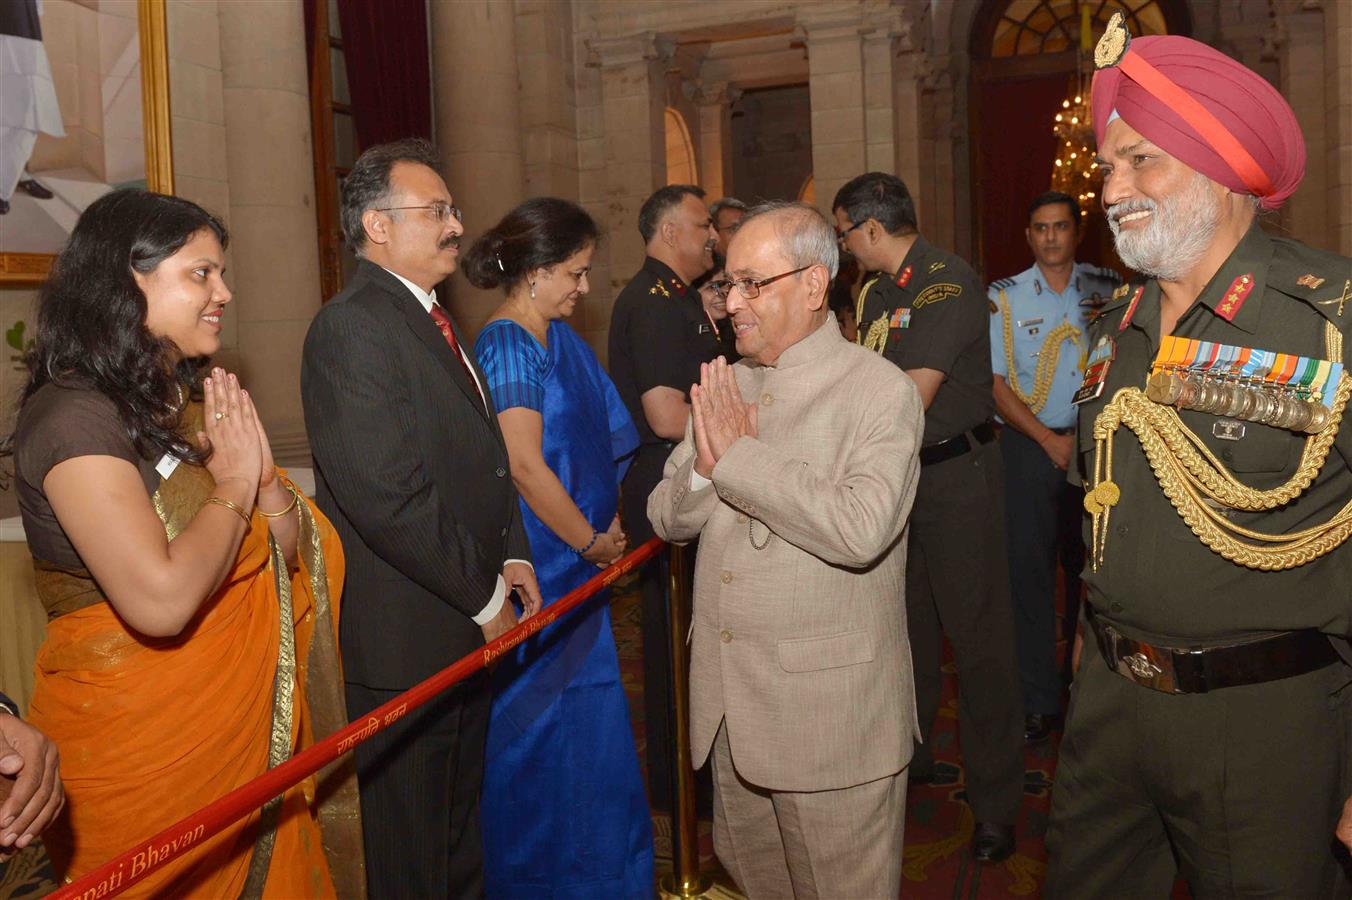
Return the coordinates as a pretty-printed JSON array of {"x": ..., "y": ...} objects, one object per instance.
[{"x": 1209, "y": 721}]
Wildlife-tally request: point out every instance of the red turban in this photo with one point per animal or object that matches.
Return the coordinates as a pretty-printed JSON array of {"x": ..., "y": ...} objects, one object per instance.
[{"x": 1204, "y": 108}]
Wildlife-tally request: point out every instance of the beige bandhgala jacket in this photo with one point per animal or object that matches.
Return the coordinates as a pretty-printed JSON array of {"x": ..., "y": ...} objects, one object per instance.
[{"x": 802, "y": 645}]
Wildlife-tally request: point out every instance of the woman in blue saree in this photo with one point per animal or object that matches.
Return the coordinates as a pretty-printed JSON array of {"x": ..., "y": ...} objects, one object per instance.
[{"x": 564, "y": 812}]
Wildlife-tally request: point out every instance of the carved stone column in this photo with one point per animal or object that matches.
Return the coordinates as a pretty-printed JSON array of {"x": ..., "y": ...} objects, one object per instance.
[
  {"x": 714, "y": 103},
  {"x": 633, "y": 88},
  {"x": 274, "y": 254},
  {"x": 835, "y": 50},
  {"x": 478, "y": 127}
]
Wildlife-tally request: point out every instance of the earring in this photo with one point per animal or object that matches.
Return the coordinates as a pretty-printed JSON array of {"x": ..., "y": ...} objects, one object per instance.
[{"x": 532, "y": 290}]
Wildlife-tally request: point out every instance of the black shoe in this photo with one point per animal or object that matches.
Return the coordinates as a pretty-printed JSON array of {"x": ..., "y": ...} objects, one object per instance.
[
  {"x": 4, "y": 207},
  {"x": 1037, "y": 727},
  {"x": 992, "y": 843},
  {"x": 33, "y": 189}
]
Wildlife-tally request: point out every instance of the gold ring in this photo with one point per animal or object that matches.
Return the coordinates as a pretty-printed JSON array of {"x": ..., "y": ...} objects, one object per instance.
[{"x": 219, "y": 416}]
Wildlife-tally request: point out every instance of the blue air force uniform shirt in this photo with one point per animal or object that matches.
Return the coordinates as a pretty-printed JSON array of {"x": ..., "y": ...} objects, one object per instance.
[{"x": 1040, "y": 321}]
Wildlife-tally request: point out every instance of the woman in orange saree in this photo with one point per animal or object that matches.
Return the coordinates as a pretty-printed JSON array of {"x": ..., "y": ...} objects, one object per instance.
[{"x": 192, "y": 600}]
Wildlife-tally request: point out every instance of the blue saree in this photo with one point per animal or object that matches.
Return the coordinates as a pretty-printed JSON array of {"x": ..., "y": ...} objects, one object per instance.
[{"x": 564, "y": 812}]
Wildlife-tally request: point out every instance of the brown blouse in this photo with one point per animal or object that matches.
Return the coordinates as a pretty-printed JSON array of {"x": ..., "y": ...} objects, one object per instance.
[{"x": 57, "y": 424}]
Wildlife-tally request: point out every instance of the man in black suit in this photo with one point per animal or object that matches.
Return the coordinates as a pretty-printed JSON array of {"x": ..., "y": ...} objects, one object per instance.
[{"x": 412, "y": 469}]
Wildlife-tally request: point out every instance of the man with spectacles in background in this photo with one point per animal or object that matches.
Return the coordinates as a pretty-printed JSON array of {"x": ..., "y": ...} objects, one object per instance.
[
  {"x": 929, "y": 316},
  {"x": 727, "y": 214},
  {"x": 411, "y": 467}
]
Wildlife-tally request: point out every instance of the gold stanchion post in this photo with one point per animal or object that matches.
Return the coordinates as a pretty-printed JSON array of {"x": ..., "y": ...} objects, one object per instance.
[{"x": 685, "y": 879}]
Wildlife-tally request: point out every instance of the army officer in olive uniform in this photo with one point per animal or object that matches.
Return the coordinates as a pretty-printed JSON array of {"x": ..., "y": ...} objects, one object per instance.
[
  {"x": 1207, "y": 734},
  {"x": 659, "y": 335},
  {"x": 931, "y": 318}
]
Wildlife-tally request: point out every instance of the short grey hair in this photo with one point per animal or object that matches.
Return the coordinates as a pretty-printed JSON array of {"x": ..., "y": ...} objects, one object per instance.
[
  {"x": 807, "y": 238},
  {"x": 725, "y": 203}
]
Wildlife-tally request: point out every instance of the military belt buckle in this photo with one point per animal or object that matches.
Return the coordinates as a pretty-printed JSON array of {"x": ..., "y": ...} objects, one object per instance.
[{"x": 1165, "y": 669}]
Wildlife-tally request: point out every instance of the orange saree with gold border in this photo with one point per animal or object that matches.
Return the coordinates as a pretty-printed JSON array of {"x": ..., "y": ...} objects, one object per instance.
[{"x": 151, "y": 730}]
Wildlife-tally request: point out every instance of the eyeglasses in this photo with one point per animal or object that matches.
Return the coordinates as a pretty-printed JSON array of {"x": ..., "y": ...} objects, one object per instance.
[
  {"x": 441, "y": 212},
  {"x": 840, "y": 235},
  {"x": 750, "y": 288}
]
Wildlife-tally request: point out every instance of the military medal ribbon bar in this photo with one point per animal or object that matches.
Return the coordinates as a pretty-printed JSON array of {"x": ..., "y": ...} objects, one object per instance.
[{"x": 1278, "y": 389}]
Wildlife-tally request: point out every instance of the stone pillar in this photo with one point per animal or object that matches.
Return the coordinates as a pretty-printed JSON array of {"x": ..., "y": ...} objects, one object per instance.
[
  {"x": 881, "y": 103},
  {"x": 632, "y": 162},
  {"x": 1297, "y": 43},
  {"x": 274, "y": 250},
  {"x": 835, "y": 51},
  {"x": 908, "y": 142},
  {"x": 1338, "y": 118},
  {"x": 544, "y": 48},
  {"x": 478, "y": 127},
  {"x": 714, "y": 104}
]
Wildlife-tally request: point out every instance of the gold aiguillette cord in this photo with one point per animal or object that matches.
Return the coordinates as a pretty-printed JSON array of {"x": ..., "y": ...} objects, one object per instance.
[{"x": 1189, "y": 473}]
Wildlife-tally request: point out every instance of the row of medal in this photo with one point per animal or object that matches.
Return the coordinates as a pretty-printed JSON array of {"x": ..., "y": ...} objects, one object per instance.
[
  {"x": 1277, "y": 389},
  {"x": 1223, "y": 397}
]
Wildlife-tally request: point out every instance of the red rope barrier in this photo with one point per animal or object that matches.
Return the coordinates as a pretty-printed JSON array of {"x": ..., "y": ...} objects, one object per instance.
[{"x": 125, "y": 870}]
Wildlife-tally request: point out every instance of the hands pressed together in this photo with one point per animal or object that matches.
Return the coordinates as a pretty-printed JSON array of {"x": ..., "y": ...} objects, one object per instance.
[
  {"x": 239, "y": 447},
  {"x": 719, "y": 413},
  {"x": 30, "y": 777}
]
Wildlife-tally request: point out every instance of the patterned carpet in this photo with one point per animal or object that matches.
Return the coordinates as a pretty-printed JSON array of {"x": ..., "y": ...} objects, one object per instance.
[{"x": 936, "y": 859}]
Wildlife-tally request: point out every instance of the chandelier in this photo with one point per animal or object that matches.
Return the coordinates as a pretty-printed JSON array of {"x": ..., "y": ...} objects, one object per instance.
[{"x": 1074, "y": 171}]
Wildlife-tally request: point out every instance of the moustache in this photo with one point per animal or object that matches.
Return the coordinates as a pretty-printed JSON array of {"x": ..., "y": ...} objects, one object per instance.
[
  {"x": 1127, "y": 207},
  {"x": 447, "y": 243}
]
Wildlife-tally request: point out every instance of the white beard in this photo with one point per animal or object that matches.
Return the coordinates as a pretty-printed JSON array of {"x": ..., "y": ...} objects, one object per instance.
[{"x": 1179, "y": 230}]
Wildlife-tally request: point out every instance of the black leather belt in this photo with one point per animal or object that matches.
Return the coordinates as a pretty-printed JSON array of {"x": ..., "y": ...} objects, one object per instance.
[
  {"x": 1196, "y": 670},
  {"x": 957, "y": 446}
]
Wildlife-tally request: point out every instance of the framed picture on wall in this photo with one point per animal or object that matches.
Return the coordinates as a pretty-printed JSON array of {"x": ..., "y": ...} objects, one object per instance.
[{"x": 84, "y": 110}]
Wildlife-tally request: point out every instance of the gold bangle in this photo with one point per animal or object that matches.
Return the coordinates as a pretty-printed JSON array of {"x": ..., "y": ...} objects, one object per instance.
[
  {"x": 233, "y": 507},
  {"x": 290, "y": 506}
]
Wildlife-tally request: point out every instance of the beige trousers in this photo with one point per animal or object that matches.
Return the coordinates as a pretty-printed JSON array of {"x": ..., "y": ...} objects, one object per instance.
[{"x": 819, "y": 844}]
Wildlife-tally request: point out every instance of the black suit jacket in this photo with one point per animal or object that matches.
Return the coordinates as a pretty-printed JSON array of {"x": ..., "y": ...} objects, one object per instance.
[{"x": 413, "y": 472}]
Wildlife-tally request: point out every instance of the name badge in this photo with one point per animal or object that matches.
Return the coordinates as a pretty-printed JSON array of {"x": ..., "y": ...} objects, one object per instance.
[
  {"x": 705, "y": 329},
  {"x": 1096, "y": 371},
  {"x": 1025, "y": 323},
  {"x": 167, "y": 464}
]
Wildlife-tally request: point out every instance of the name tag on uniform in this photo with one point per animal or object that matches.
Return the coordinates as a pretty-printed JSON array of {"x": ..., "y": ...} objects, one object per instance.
[
  {"x": 1025, "y": 323},
  {"x": 167, "y": 464},
  {"x": 704, "y": 328},
  {"x": 1096, "y": 371}
]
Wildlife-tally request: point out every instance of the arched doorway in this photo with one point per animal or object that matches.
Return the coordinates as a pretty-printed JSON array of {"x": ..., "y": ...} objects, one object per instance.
[
  {"x": 1025, "y": 60},
  {"x": 680, "y": 151}
]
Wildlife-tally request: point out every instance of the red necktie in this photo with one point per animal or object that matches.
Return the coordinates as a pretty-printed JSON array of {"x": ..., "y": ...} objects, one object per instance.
[{"x": 444, "y": 323}]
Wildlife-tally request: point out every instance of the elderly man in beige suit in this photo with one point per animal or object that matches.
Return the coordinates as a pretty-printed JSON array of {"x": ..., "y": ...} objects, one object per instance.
[{"x": 797, "y": 473}]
